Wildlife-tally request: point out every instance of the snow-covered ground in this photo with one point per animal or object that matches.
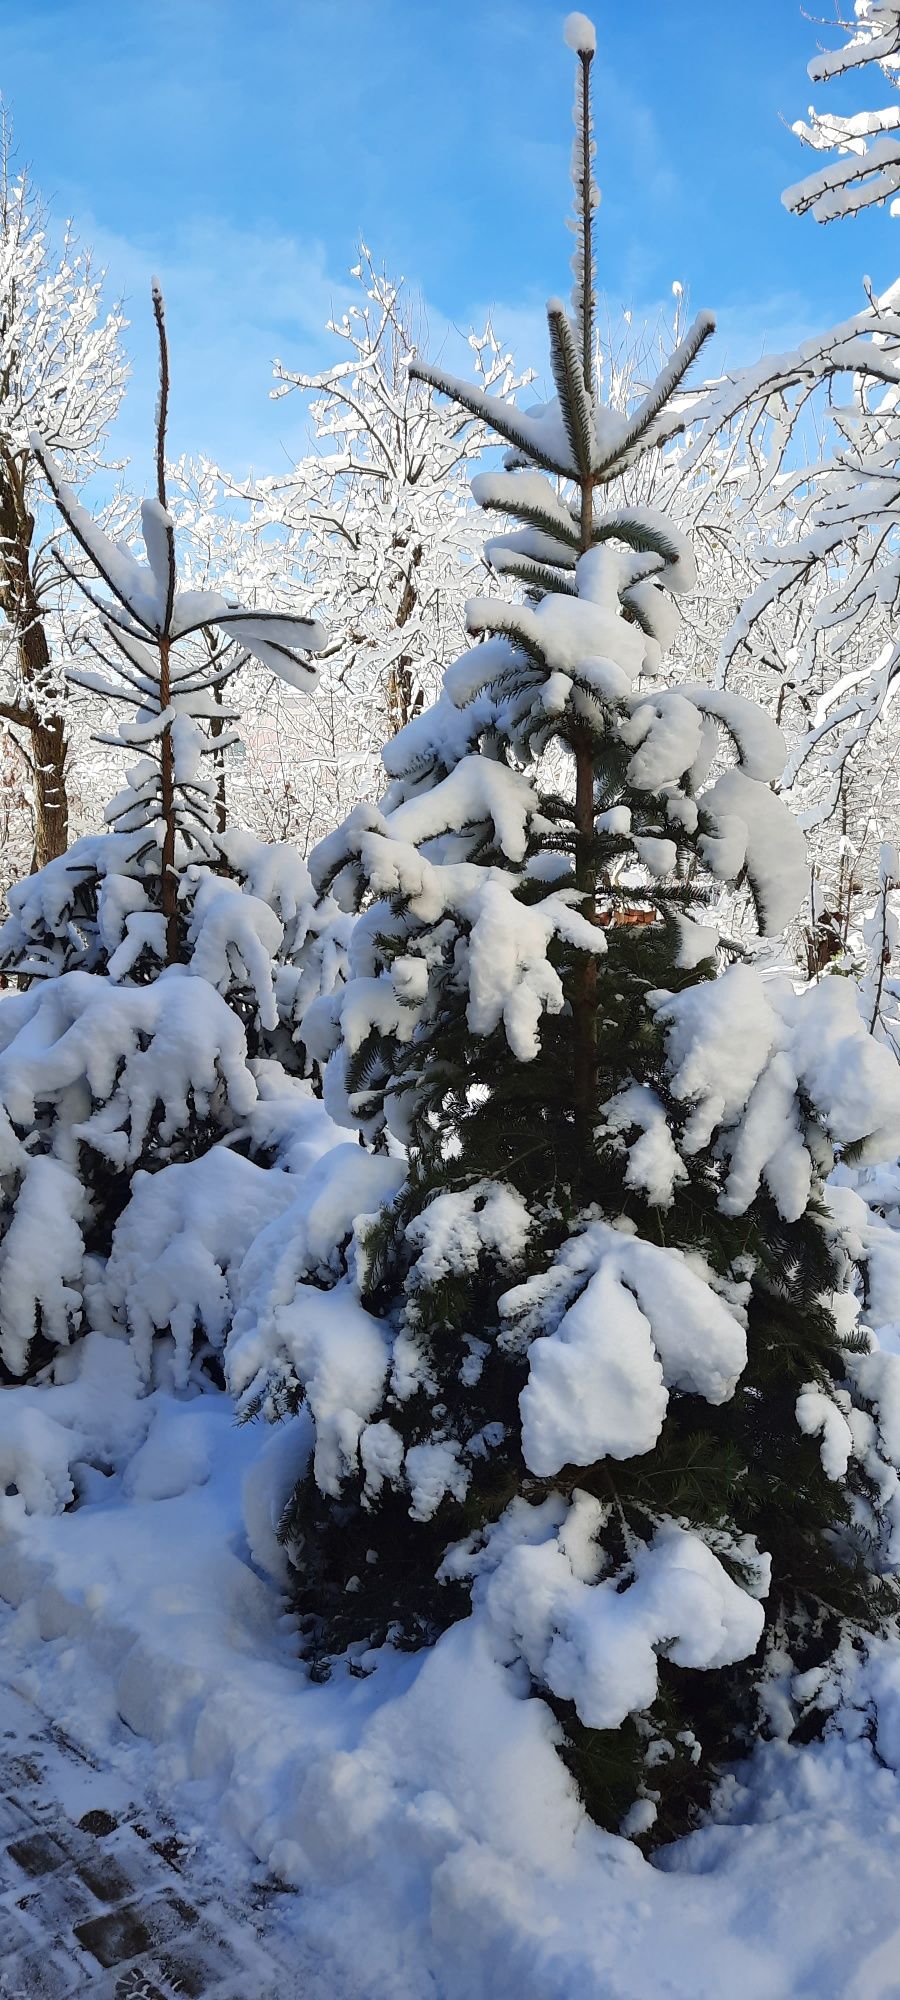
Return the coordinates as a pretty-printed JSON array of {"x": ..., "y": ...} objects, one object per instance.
[{"x": 436, "y": 1844}]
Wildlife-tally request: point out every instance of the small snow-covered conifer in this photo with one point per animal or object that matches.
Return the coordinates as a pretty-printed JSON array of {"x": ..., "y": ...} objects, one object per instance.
[
  {"x": 593, "y": 1369},
  {"x": 158, "y": 957},
  {"x": 146, "y": 625}
]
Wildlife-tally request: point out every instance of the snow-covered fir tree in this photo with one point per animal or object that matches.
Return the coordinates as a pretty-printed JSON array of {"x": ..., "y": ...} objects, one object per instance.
[
  {"x": 592, "y": 1369},
  {"x": 151, "y": 953}
]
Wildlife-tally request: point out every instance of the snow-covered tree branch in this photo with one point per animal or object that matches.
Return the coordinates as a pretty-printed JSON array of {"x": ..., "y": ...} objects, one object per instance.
[
  {"x": 379, "y": 517},
  {"x": 866, "y": 171}
]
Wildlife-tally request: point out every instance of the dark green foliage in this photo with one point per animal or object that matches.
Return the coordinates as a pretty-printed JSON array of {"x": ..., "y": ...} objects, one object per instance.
[
  {"x": 741, "y": 1469},
  {"x": 542, "y": 1127}
]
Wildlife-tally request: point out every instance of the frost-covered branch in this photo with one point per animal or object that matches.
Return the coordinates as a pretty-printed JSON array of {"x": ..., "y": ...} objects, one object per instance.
[{"x": 866, "y": 171}]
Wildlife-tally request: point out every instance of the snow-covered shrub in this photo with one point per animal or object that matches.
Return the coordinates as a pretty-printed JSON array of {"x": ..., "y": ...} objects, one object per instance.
[
  {"x": 595, "y": 1367},
  {"x": 183, "y": 1257},
  {"x": 98, "y": 1082}
]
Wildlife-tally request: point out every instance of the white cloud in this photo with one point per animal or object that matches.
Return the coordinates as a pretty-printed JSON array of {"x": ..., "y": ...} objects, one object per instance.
[{"x": 235, "y": 298}]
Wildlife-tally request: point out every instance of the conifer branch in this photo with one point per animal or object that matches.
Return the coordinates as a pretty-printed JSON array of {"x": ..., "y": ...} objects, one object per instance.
[
  {"x": 530, "y": 515},
  {"x": 669, "y": 379},
  {"x": 528, "y": 570},
  {"x": 490, "y": 616},
  {"x": 575, "y": 402},
  {"x": 516, "y": 429},
  {"x": 639, "y": 534},
  {"x": 61, "y": 494}
]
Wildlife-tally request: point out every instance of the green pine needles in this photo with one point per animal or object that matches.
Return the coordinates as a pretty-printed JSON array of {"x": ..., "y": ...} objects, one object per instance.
[{"x": 609, "y": 1394}]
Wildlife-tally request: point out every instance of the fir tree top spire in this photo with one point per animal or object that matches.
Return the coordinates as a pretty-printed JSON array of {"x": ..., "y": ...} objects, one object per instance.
[
  {"x": 574, "y": 437},
  {"x": 580, "y": 35}
]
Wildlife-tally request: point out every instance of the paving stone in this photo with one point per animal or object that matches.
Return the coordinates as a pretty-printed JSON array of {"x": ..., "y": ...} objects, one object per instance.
[
  {"x": 134, "y": 1928},
  {"x": 105, "y": 1877},
  {"x": 188, "y": 1973},
  {"x": 37, "y": 1853},
  {"x": 116, "y": 1936},
  {"x": 57, "y": 1902},
  {"x": 171, "y": 1914},
  {"x": 17, "y": 1773},
  {"x": 33, "y": 1975},
  {"x": 193, "y": 1968},
  {"x": 141, "y": 1859},
  {"x": 14, "y": 1819},
  {"x": 16, "y": 1935}
]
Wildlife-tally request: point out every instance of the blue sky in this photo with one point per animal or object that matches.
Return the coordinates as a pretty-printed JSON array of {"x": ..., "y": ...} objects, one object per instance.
[{"x": 239, "y": 147}]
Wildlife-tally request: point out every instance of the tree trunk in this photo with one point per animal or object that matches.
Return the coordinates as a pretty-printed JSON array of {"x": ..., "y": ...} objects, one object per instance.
[
  {"x": 217, "y": 728},
  {"x": 49, "y": 747},
  {"x": 584, "y": 1008},
  {"x": 169, "y": 886},
  {"x": 51, "y": 805},
  {"x": 34, "y": 706},
  {"x": 404, "y": 700},
  {"x": 585, "y": 995}
]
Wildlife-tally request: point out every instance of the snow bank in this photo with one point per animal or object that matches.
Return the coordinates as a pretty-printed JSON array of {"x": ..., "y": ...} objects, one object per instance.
[{"x": 423, "y": 1812}]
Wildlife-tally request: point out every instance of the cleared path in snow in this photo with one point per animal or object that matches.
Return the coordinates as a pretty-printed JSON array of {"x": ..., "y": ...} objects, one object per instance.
[{"x": 103, "y": 1897}]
